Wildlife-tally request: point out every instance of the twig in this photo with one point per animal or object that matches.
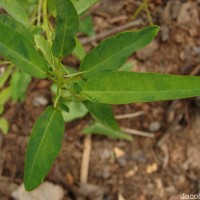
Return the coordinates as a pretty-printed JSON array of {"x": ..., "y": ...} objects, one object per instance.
[
  {"x": 136, "y": 132},
  {"x": 129, "y": 115},
  {"x": 86, "y": 159},
  {"x": 1, "y": 157},
  {"x": 195, "y": 70},
  {"x": 146, "y": 7},
  {"x": 137, "y": 12},
  {"x": 111, "y": 32}
]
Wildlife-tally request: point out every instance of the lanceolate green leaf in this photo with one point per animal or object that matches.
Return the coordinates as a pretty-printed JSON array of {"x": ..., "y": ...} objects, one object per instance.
[
  {"x": 16, "y": 26},
  {"x": 16, "y": 10},
  {"x": 19, "y": 50},
  {"x": 113, "y": 52},
  {"x": 19, "y": 83},
  {"x": 67, "y": 25},
  {"x": 99, "y": 128},
  {"x": 129, "y": 87},
  {"x": 43, "y": 147},
  {"x": 102, "y": 113},
  {"x": 79, "y": 50}
]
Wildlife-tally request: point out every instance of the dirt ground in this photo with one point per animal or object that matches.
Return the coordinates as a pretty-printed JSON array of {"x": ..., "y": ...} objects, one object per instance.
[{"x": 162, "y": 167}]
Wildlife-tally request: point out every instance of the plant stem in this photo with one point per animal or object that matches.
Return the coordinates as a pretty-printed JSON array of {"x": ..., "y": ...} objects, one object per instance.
[
  {"x": 57, "y": 98},
  {"x": 46, "y": 21},
  {"x": 39, "y": 13},
  {"x": 148, "y": 12},
  {"x": 5, "y": 62},
  {"x": 75, "y": 74},
  {"x": 137, "y": 12}
]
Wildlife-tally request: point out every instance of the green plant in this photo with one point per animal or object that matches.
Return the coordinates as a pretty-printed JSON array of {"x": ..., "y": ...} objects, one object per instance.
[{"x": 38, "y": 51}]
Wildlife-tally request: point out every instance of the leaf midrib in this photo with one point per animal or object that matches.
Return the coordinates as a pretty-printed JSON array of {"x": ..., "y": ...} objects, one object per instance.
[{"x": 49, "y": 123}]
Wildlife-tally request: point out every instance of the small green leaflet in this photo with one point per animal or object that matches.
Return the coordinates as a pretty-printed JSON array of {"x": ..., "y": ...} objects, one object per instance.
[
  {"x": 43, "y": 147},
  {"x": 98, "y": 128},
  {"x": 114, "y": 51},
  {"x": 4, "y": 77},
  {"x": 102, "y": 113},
  {"x": 130, "y": 87},
  {"x": 44, "y": 47},
  {"x": 79, "y": 50},
  {"x": 5, "y": 95},
  {"x": 15, "y": 47},
  {"x": 19, "y": 83},
  {"x": 76, "y": 110},
  {"x": 16, "y": 10},
  {"x": 67, "y": 25},
  {"x": 4, "y": 126}
]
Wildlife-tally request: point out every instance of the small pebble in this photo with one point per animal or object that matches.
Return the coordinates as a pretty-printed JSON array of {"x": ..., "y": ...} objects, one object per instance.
[
  {"x": 39, "y": 101},
  {"x": 118, "y": 152},
  {"x": 154, "y": 126},
  {"x": 151, "y": 168}
]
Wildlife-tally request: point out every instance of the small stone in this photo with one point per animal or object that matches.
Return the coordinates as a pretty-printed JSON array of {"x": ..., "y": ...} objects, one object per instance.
[
  {"x": 118, "y": 152},
  {"x": 179, "y": 38},
  {"x": 154, "y": 126},
  {"x": 46, "y": 190},
  {"x": 122, "y": 161},
  {"x": 182, "y": 55},
  {"x": 131, "y": 172},
  {"x": 39, "y": 101},
  {"x": 105, "y": 154},
  {"x": 196, "y": 50},
  {"x": 120, "y": 197},
  {"x": 151, "y": 168},
  {"x": 164, "y": 33}
]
